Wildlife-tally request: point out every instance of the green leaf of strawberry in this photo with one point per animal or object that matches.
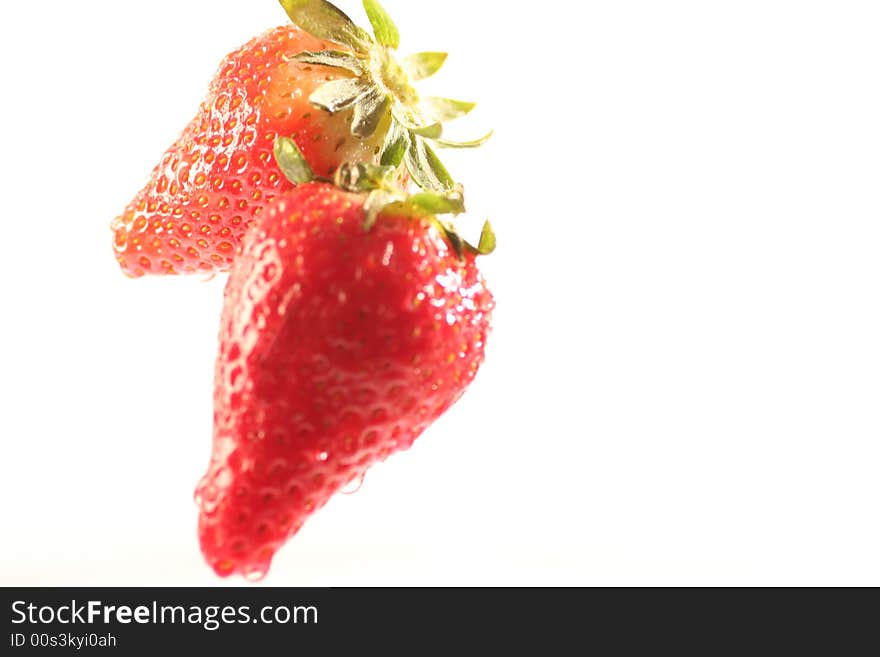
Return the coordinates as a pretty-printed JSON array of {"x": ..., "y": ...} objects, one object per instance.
[
  {"x": 326, "y": 21},
  {"x": 423, "y": 65},
  {"x": 369, "y": 111},
  {"x": 292, "y": 162},
  {"x": 487, "y": 240},
  {"x": 429, "y": 130},
  {"x": 364, "y": 177},
  {"x": 340, "y": 94},
  {"x": 426, "y": 168},
  {"x": 476, "y": 143},
  {"x": 383, "y": 27},
  {"x": 434, "y": 203},
  {"x": 395, "y": 147},
  {"x": 445, "y": 109},
  {"x": 333, "y": 58},
  {"x": 377, "y": 202}
]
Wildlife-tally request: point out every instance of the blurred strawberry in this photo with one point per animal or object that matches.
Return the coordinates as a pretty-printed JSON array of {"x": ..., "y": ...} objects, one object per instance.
[{"x": 352, "y": 321}]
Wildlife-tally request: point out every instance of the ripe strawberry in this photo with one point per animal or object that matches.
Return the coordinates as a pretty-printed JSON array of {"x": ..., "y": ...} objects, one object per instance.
[
  {"x": 336, "y": 91},
  {"x": 338, "y": 347}
]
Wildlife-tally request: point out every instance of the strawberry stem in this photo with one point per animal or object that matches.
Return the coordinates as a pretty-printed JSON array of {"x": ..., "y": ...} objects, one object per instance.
[{"x": 382, "y": 86}]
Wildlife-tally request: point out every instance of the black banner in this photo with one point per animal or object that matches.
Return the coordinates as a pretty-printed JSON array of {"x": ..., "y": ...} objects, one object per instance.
[{"x": 415, "y": 621}]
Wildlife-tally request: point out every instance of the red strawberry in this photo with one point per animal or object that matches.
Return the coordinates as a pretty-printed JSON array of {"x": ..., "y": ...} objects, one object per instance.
[
  {"x": 338, "y": 347},
  {"x": 337, "y": 92},
  {"x": 220, "y": 174}
]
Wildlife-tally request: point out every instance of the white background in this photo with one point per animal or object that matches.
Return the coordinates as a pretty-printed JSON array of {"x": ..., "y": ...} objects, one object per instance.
[{"x": 683, "y": 383}]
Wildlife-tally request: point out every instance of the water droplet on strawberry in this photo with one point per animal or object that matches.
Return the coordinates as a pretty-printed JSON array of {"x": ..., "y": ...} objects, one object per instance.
[{"x": 353, "y": 486}]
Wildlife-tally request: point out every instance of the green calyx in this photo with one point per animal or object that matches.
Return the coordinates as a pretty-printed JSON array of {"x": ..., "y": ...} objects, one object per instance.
[
  {"x": 383, "y": 195},
  {"x": 383, "y": 85}
]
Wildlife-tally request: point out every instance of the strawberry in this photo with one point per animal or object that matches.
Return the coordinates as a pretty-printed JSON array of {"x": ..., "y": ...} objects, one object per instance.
[
  {"x": 339, "y": 346},
  {"x": 337, "y": 92}
]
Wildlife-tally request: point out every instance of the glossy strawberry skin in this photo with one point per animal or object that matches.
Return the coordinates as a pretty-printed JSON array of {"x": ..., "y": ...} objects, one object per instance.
[
  {"x": 338, "y": 347},
  {"x": 220, "y": 174}
]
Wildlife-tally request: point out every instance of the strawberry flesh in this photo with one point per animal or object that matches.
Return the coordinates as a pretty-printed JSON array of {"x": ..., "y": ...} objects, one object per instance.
[{"x": 338, "y": 347}]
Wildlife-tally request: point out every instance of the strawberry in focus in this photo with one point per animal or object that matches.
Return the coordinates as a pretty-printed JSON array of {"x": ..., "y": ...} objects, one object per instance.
[
  {"x": 216, "y": 179},
  {"x": 337, "y": 92},
  {"x": 339, "y": 346}
]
